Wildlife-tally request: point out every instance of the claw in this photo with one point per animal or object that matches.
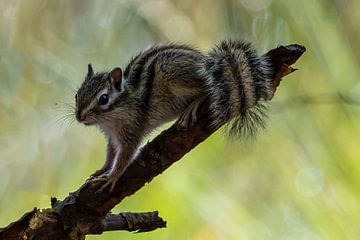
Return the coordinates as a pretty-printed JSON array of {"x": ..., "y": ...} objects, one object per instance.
[
  {"x": 109, "y": 183},
  {"x": 98, "y": 176},
  {"x": 109, "y": 178},
  {"x": 98, "y": 173}
]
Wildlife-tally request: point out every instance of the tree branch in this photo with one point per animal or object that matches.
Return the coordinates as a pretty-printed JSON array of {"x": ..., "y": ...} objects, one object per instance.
[
  {"x": 86, "y": 211},
  {"x": 139, "y": 222}
]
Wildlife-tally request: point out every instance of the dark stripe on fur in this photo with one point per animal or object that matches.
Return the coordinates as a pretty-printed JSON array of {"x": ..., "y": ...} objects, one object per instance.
[
  {"x": 221, "y": 87},
  {"x": 136, "y": 65},
  {"x": 148, "y": 77},
  {"x": 246, "y": 121},
  {"x": 123, "y": 97},
  {"x": 241, "y": 91},
  {"x": 253, "y": 61}
]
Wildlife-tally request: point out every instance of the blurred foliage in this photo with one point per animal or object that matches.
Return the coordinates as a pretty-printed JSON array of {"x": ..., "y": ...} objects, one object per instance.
[{"x": 299, "y": 179}]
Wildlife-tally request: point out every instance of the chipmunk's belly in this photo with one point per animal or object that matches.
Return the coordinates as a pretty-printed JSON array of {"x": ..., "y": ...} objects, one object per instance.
[{"x": 168, "y": 109}]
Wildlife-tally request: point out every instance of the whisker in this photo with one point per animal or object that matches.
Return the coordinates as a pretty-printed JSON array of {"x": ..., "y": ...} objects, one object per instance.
[
  {"x": 65, "y": 106},
  {"x": 65, "y": 118}
]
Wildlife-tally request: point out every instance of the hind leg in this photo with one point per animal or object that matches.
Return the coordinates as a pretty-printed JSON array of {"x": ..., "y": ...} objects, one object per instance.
[{"x": 189, "y": 117}]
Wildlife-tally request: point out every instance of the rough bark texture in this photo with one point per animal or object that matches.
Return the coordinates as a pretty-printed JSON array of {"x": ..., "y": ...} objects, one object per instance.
[{"x": 86, "y": 211}]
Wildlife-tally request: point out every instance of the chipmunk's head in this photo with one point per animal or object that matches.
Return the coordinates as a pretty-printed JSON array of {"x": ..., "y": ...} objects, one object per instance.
[{"x": 97, "y": 96}]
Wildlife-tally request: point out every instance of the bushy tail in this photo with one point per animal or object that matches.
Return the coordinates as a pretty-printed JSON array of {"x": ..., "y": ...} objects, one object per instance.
[{"x": 238, "y": 81}]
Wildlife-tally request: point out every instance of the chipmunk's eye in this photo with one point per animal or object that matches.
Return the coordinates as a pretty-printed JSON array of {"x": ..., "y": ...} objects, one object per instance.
[{"x": 104, "y": 99}]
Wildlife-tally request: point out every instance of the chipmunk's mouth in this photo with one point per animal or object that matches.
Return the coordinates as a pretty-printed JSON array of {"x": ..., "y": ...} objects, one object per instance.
[{"x": 88, "y": 122}]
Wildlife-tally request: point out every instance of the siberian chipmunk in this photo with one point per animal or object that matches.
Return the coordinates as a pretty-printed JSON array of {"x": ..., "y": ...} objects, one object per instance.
[{"x": 160, "y": 84}]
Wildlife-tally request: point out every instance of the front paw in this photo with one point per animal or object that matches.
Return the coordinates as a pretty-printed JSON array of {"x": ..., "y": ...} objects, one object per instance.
[{"x": 99, "y": 173}]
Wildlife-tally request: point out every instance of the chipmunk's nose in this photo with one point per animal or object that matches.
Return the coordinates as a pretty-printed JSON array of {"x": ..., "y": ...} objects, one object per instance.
[{"x": 80, "y": 117}]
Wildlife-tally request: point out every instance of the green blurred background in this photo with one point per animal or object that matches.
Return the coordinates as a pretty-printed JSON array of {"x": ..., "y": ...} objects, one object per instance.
[{"x": 300, "y": 178}]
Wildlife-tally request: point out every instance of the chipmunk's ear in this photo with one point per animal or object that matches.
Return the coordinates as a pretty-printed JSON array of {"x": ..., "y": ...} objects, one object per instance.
[
  {"x": 116, "y": 77},
  {"x": 90, "y": 71}
]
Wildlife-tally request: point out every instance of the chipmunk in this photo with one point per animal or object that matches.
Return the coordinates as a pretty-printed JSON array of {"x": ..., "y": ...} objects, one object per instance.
[{"x": 160, "y": 84}]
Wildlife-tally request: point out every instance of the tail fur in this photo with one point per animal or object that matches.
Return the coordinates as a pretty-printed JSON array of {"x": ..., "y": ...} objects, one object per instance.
[{"x": 238, "y": 82}]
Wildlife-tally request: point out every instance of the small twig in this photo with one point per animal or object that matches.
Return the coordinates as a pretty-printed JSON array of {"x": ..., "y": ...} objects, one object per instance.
[{"x": 139, "y": 222}]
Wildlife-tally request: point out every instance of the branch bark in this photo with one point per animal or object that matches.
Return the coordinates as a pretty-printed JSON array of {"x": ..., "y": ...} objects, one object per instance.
[
  {"x": 86, "y": 211},
  {"x": 139, "y": 222}
]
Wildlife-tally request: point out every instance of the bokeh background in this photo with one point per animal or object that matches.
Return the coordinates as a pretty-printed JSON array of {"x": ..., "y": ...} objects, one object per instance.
[{"x": 299, "y": 179}]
